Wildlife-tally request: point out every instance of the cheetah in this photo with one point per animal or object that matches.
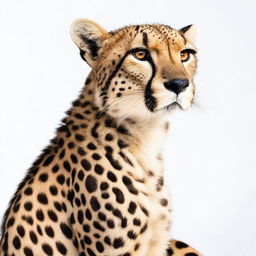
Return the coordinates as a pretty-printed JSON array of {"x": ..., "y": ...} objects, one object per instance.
[{"x": 98, "y": 188}]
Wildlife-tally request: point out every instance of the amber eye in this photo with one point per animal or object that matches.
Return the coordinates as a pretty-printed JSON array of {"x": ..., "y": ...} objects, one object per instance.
[
  {"x": 184, "y": 56},
  {"x": 140, "y": 54}
]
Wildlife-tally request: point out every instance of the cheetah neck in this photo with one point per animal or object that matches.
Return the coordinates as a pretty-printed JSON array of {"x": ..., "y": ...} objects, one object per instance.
[{"x": 144, "y": 138}]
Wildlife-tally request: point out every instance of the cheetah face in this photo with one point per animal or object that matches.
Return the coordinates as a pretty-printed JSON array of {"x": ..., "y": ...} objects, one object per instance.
[{"x": 140, "y": 70}]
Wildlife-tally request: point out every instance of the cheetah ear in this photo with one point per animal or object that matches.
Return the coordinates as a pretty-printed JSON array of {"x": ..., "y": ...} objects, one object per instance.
[
  {"x": 188, "y": 32},
  {"x": 88, "y": 36}
]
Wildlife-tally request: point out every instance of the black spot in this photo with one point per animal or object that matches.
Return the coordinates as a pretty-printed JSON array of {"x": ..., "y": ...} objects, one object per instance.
[
  {"x": 164, "y": 202},
  {"x": 88, "y": 80},
  {"x": 117, "y": 213},
  {"x": 61, "y": 248},
  {"x": 62, "y": 154},
  {"x": 121, "y": 143},
  {"x": 86, "y": 228},
  {"x": 107, "y": 240},
  {"x": 71, "y": 145},
  {"x": 79, "y": 137},
  {"x": 91, "y": 184},
  {"x": 28, "y": 251},
  {"x": 55, "y": 168},
  {"x": 191, "y": 254},
  {"x": 67, "y": 166},
  {"x": 39, "y": 230},
  {"x": 43, "y": 177},
  {"x": 28, "y": 219},
  {"x": 21, "y": 231},
  {"x": 136, "y": 247},
  {"x": 88, "y": 214},
  {"x": 49, "y": 231},
  {"x": 90, "y": 252},
  {"x": 53, "y": 190},
  {"x": 86, "y": 164},
  {"x": 98, "y": 169},
  {"x": 48, "y": 160},
  {"x": 131, "y": 234},
  {"x": 113, "y": 162},
  {"x": 102, "y": 216},
  {"x": 109, "y": 137},
  {"x": 28, "y": 206},
  {"x": 111, "y": 223},
  {"x": 108, "y": 207},
  {"x": 96, "y": 156},
  {"x": 80, "y": 216},
  {"x": 169, "y": 252},
  {"x": 52, "y": 215},
  {"x": 180, "y": 245},
  {"x": 128, "y": 183},
  {"x": 136, "y": 222},
  {"x": 144, "y": 210},
  {"x": 119, "y": 195},
  {"x": 99, "y": 246},
  {"x": 126, "y": 159},
  {"x": 66, "y": 230},
  {"x": 83, "y": 199},
  {"x": 95, "y": 203},
  {"x": 118, "y": 242},
  {"x": 58, "y": 207},
  {"x": 42, "y": 198},
  {"x": 40, "y": 215},
  {"x": 33, "y": 237},
  {"x": 98, "y": 226},
  {"x": 110, "y": 123},
  {"x": 123, "y": 130},
  {"x": 81, "y": 152},
  {"x": 132, "y": 207},
  {"x": 78, "y": 116},
  {"x": 80, "y": 175},
  {"x": 61, "y": 179},
  {"x": 47, "y": 249},
  {"x": 105, "y": 195},
  {"x": 87, "y": 240},
  {"x": 16, "y": 207},
  {"x": 144, "y": 228},
  {"x": 111, "y": 176},
  {"x": 104, "y": 185},
  {"x": 94, "y": 132},
  {"x": 11, "y": 222},
  {"x": 16, "y": 242},
  {"x": 71, "y": 195},
  {"x": 28, "y": 191},
  {"x": 91, "y": 146}
]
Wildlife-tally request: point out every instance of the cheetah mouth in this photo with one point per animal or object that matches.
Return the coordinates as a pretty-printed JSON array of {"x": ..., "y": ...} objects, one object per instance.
[{"x": 172, "y": 106}]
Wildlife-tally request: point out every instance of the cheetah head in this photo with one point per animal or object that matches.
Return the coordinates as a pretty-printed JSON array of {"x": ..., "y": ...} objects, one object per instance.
[{"x": 141, "y": 70}]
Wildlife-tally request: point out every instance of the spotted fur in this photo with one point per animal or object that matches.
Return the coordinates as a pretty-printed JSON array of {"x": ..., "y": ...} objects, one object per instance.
[{"x": 98, "y": 188}]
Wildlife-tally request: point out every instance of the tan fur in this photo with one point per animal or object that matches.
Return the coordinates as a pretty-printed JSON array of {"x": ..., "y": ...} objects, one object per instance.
[{"x": 98, "y": 189}]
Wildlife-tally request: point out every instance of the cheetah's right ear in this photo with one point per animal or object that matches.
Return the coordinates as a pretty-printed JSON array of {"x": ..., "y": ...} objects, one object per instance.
[{"x": 88, "y": 36}]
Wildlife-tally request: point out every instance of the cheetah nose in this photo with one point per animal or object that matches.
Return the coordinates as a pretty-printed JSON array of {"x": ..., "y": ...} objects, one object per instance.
[{"x": 176, "y": 85}]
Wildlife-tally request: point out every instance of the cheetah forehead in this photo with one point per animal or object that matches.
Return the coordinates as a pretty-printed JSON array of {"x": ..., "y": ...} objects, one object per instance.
[{"x": 152, "y": 36}]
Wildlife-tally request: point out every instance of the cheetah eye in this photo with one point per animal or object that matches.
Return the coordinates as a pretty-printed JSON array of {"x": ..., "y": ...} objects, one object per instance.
[
  {"x": 185, "y": 54},
  {"x": 140, "y": 54}
]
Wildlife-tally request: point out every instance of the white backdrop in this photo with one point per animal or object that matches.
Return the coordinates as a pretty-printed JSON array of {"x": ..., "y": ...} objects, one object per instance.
[{"x": 210, "y": 154}]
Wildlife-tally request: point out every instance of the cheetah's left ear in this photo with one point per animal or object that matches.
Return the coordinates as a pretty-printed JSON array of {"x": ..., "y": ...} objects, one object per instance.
[
  {"x": 189, "y": 32},
  {"x": 88, "y": 36}
]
